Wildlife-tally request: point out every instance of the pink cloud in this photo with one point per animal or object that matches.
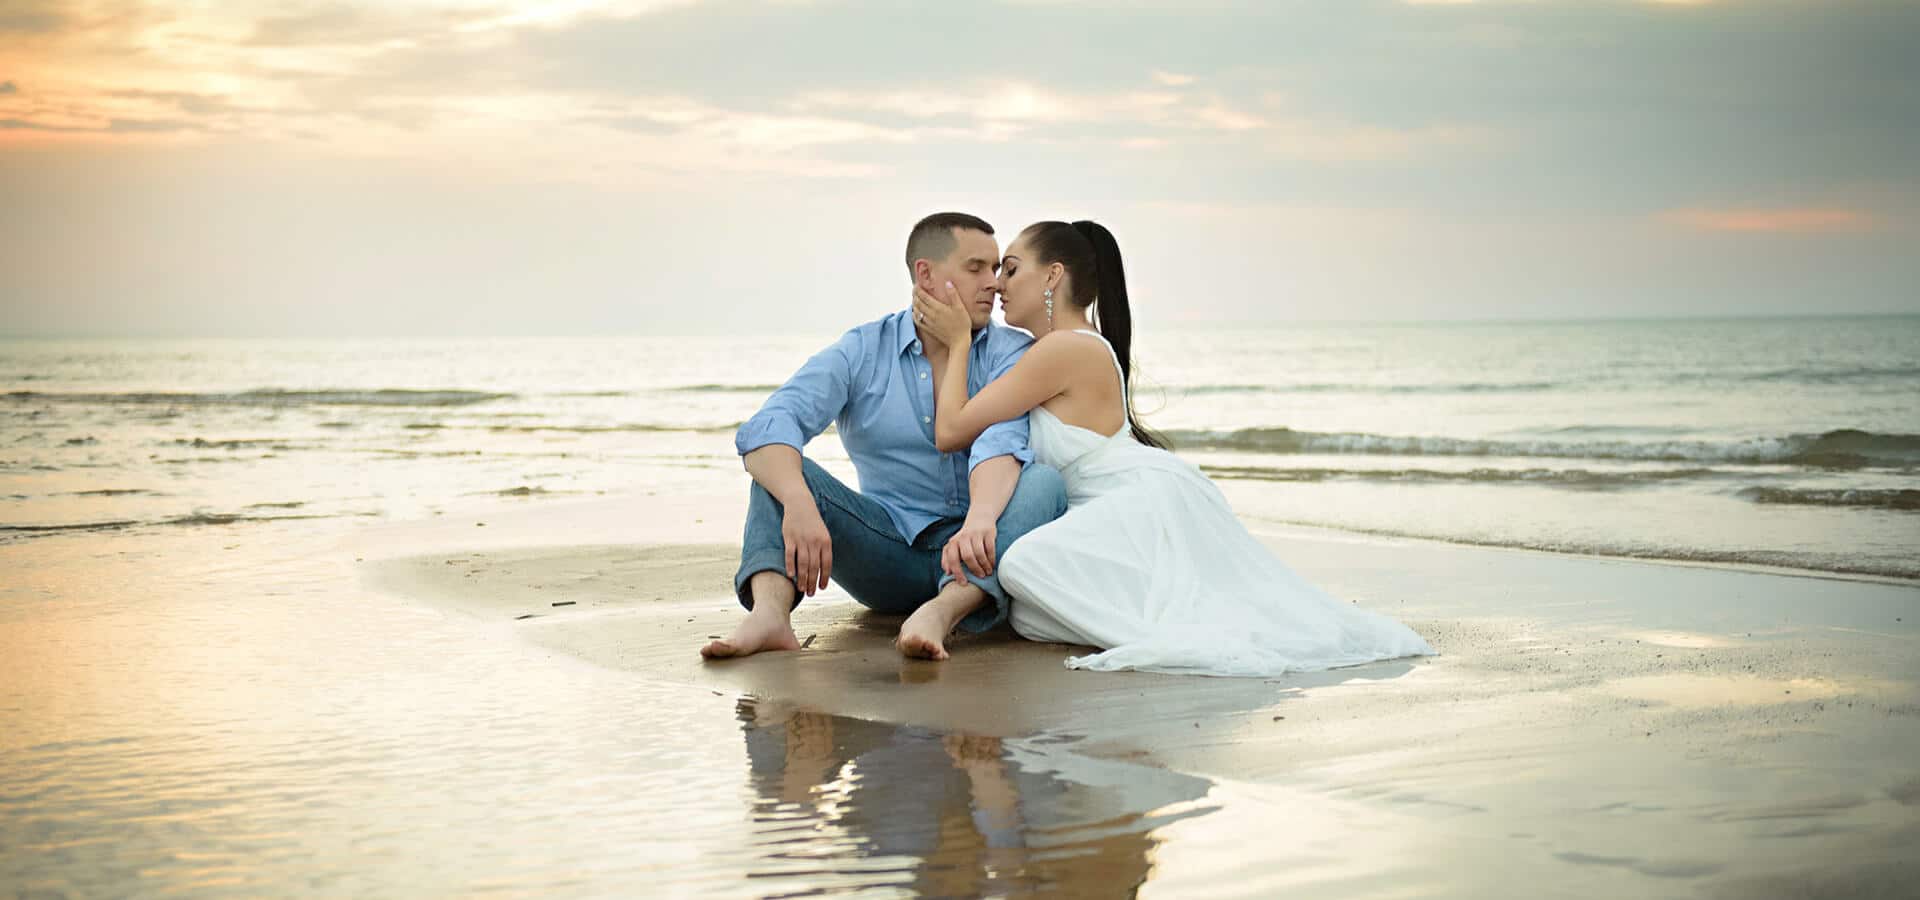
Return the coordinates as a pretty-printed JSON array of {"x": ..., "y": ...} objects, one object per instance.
[{"x": 1807, "y": 220}]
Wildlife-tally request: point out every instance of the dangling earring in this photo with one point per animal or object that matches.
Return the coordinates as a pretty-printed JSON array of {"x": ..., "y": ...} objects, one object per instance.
[{"x": 1049, "y": 309}]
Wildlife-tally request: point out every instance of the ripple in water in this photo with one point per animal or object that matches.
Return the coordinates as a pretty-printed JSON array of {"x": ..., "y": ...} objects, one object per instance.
[{"x": 205, "y": 741}]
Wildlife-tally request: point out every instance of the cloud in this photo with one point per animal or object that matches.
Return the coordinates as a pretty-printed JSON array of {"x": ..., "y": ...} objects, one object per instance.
[
  {"x": 147, "y": 126},
  {"x": 1511, "y": 2},
  {"x": 1558, "y": 96},
  {"x": 186, "y": 101},
  {"x": 348, "y": 25},
  {"x": 1773, "y": 221},
  {"x": 1484, "y": 150},
  {"x": 1144, "y": 118},
  {"x": 31, "y": 21},
  {"x": 998, "y": 110},
  {"x": 111, "y": 126}
]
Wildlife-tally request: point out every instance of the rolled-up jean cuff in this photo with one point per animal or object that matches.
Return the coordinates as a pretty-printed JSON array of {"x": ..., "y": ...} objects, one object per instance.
[
  {"x": 991, "y": 613},
  {"x": 755, "y": 562}
]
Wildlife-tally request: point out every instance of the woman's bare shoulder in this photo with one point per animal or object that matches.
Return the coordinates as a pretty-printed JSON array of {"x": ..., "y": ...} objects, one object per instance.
[
  {"x": 1082, "y": 357},
  {"x": 1078, "y": 343}
]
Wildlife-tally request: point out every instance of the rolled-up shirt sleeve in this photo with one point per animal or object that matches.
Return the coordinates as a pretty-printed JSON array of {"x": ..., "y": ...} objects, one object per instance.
[
  {"x": 803, "y": 407},
  {"x": 1007, "y": 438}
]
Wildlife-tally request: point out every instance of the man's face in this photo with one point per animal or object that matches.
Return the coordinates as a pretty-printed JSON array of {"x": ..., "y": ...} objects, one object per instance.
[{"x": 972, "y": 267}]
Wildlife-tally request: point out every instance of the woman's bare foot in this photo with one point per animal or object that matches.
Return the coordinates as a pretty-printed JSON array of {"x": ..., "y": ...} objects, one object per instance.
[
  {"x": 924, "y": 634},
  {"x": 759, "y": 633}
]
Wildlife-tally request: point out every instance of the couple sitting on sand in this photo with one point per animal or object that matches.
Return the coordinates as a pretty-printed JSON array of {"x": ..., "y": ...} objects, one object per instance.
[{"x": 1005, "y": 477}]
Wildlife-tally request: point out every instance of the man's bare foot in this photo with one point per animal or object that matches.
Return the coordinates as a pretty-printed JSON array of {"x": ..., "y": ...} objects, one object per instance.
[
  {"x": 924, "y": 634},
  {"x": 769, "y": 625},
  {"x": 920, "y": 642},
  {"x": 758, "y": 634}
]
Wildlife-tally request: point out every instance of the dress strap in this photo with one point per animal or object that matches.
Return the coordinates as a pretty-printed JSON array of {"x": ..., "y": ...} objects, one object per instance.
[{"x": 1124, "y": 405}]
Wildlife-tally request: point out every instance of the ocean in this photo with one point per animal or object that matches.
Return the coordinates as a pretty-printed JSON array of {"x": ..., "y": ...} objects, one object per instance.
[
  {"x": 1788, "y": 443},
  {"x": 202, "y": 690}
]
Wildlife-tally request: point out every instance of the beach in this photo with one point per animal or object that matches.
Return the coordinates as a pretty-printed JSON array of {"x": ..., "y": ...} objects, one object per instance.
[
  {"x": 376, "y": 380},
  {"x": 403, "y": 618},
  {"x": 516, "y": 702},
  {"x": 1590, "y": 727}
]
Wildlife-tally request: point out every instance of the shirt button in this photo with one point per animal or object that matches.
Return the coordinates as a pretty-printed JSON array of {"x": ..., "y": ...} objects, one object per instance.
[
  {"x": 927, "y": 419},
  {"x": 923, "y": 374}
]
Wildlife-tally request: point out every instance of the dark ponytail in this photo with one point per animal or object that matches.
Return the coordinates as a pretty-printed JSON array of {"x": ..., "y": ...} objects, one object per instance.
[{"x": 1091, "y": 256}]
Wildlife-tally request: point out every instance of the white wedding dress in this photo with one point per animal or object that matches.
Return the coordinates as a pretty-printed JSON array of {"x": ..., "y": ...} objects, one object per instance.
[{"x": 1151, "y": 564}]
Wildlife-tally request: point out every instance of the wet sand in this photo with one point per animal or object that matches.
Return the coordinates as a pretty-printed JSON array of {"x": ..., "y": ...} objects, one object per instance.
[{"x": 1591, "y": 727}]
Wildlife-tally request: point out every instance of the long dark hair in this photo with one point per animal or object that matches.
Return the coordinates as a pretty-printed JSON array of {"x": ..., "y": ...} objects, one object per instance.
[{"x": 1091, "y": 257}]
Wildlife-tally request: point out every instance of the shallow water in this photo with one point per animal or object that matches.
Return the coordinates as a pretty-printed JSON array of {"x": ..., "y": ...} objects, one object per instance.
[
  {"x": 224, "y": 711},
  {"x": 170, "y": 730},
  {"x": 1776, "y": 442},
  {"x": 193, "y": 698}
]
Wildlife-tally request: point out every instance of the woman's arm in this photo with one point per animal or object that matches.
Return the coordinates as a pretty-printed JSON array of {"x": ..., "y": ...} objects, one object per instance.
[{"x": 1039, "y": 376}]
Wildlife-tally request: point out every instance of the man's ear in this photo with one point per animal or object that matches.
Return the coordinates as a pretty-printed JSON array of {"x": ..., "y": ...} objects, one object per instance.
[{"x": 923, "y": 274}]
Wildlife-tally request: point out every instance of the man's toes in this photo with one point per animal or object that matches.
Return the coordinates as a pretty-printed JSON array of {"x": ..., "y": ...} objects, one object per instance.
[
  {"x": 920, "y": 647},
  {"x": 717, "y": 650}
]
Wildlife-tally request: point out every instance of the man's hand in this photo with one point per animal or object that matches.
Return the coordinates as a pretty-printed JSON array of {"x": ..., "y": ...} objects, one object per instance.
[
  {"x": 970, "y": 550},
  {"x": 809, "y": 547}
]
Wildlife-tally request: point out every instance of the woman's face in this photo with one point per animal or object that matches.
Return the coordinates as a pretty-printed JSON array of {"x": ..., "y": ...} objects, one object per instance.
[{"x": 1022, "y": 287}]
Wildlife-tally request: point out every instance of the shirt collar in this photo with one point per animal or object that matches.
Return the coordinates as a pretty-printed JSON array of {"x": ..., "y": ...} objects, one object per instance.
[{"x": 909, "y": 337}]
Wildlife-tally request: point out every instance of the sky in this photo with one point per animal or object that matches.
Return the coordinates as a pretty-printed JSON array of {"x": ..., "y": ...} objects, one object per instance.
[{"x": 574, "y": 167}]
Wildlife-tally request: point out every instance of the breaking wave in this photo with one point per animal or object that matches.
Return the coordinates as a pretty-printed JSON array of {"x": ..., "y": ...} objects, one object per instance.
[
  {"x": 722, "y": 389},
  {"x": 640, "y": 427},
  {"x": 1852, "y": 498},
  {"x": 120, "y": 524},
  {"x": 1577, "y": 479},
  {"x": 1845, "y": 448},
  {"x": 1802, "y": 375},
  {"x": 1834, "y": 376},
  {"x": 1357, "y": 388},
  {"x": 269, "y": 398}
]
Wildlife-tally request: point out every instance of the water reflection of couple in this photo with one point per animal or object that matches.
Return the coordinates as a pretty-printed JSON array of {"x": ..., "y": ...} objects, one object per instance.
[
  {"x": 965, "y": 820},
  {"x": 1005, "y": 477}
]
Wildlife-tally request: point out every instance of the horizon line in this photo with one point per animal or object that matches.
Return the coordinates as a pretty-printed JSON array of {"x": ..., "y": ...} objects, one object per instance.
[{"x": 1239, "y": 324}]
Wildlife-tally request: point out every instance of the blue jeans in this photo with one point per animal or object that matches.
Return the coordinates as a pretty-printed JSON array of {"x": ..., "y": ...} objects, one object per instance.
[{"x": 882, "y": 571}]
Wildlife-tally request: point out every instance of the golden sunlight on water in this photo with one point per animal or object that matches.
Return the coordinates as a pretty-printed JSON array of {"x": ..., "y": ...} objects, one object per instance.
[
  {"x": 177, "y": 731},
  {"x": 943, "y": 814},
  {"x": 241, "y": 711}
]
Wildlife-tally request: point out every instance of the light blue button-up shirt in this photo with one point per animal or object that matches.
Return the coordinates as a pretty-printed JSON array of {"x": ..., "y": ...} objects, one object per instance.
[{"x": 877, "y": 386}]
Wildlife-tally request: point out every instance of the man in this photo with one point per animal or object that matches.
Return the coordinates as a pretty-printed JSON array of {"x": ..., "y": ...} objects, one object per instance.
[{"x": 923, "y": 534}]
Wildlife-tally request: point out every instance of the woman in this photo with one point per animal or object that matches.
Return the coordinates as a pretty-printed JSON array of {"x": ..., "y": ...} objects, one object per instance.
[{"x": 1149, "y": 563}]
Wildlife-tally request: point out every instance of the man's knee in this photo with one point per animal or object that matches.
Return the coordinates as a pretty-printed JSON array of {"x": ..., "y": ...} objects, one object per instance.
[
  {"x": 816, "y": 477},
  {"x": 1040, "y": 497}
]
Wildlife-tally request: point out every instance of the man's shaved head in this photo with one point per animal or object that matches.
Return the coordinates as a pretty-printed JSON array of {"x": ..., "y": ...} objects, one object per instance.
[{"x": 932, "y": 238}]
